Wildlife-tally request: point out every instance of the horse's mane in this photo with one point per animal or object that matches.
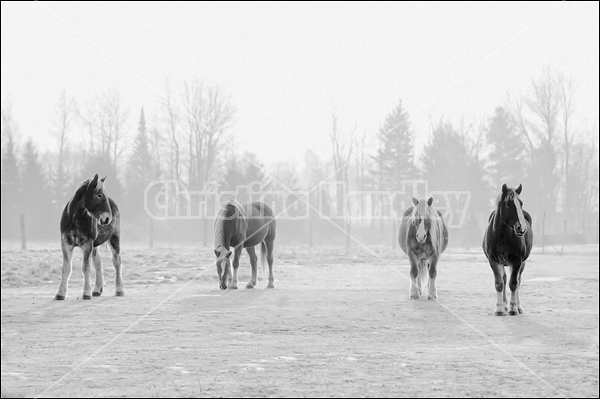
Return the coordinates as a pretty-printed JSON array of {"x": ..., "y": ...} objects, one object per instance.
[
  {"x": 436, "y": 231},
  {"x": 78, "y": 196},
  {"x": 225, "y": 214}
]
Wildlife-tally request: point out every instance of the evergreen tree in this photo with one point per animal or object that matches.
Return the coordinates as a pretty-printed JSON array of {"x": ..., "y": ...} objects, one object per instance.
[
  {"x": 395, "y": 155},
  {"x": 35, "y": 201},
  {"x": 451, "y": 166},
  {"x": 507, "y": 159},
  {"x": 140, "y": 170},
  {"x": 10, "y": 188}
]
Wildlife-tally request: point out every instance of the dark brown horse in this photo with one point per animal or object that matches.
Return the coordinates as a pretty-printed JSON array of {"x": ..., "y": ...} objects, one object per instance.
[
  {"x": 89, "y": 220},
  {"x": 240, "y": 226},
  {"x": 507, "y": 242},
  {"x": 423, "y": 237}
]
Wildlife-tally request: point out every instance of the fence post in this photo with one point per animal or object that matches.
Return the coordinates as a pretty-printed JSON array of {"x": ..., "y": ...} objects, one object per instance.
[{"x": 22, "y": 226}]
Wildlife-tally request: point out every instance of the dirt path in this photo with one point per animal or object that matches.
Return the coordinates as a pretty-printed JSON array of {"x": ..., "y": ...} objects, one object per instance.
[{"x": 327, "y": 330}]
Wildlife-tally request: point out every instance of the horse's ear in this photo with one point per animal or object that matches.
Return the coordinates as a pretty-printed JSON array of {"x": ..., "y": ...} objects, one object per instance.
[
  {"x": 504, "y": 189},
  {"x": 430, "y": 201},
  {"x": 93, "y": 183},
  {"x": 519, "y": 189},
  {"x": 228, "y": 254},
  {"x": 415, "y": 201},
  {"x": 216, "y": 253},
  {"x": 103, "y": 179}
]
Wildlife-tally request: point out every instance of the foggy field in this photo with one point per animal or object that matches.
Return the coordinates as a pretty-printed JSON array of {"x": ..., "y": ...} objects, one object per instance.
[{"x": 337, "y": 324}]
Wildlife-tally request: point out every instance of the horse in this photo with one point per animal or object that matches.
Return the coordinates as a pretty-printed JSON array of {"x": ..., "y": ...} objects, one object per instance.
[
  {"x": 240, "y": 226},
  {"x": 423, "y": 236},
  {"x": 89, "y": 220},
  {"x": 507, "y": 242}
]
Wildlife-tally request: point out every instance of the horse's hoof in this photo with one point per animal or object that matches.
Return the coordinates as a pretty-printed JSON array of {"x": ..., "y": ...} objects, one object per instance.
[
  {"x": 499, "y": 313},
  {"x": 271, "y": 286},
  {"x": 432, "y": 298},
  {"x": 513, "y": 313},
  {"x": 58, "y": 297},
  {"x": 86, "y": 297},
  {"x": 232, "y": 287},
  {"x": 250, "y": 286},
  {"x": 415, "y": 296},
  {"x": 520, "y": 310},
  {"x": 120, "y": 293},
  {"x": 96, "y": 293}
]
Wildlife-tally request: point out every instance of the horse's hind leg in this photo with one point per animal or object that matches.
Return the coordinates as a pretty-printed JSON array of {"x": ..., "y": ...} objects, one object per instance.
[
  {"x": 499, "y": 278},
  {"x": 254, "y": 263},
  {"x": 87, "y": 272},
  {"x": 67, "y": 267},
  {"x": 415, "y": 289},
  {"x": 99, "y": 286},
  {"x": 115, "y": 248},
  {"x": 270, "y": 244}
]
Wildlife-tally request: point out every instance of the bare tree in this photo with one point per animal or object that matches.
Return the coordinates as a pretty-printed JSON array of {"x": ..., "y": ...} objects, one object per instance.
[
  {"x": 342, "y": 149},
  {"x": 65, "y": 112},
  {"x": 172, "y": 122}
]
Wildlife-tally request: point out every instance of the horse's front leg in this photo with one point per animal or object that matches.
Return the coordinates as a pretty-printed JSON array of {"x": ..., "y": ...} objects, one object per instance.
[
  {"x": 432, "y": 276},
  {"x": 97, "y": 261},
  {"x": 115, "y": 248},
  {"x": 519, "y": 308},
  {"x": 67, "y": 267},
  {"x": 499, "y": 282},
  {"x": 236, "y": 264},
  {"x": 86, "y": 269},
  {"x": 513, "y": 284},
  {"x": 415, "y": 289},
  {"x": 254, "y": 263}
]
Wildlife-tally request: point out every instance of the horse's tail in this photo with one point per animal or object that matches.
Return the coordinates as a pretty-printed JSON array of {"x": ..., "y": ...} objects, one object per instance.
[
  {"x": 263, "y": 257},
  {"x": 424, "y": 274}
]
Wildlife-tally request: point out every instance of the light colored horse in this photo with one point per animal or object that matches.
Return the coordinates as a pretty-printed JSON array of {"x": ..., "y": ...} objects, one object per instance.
[{"x": 423, "y": 237}]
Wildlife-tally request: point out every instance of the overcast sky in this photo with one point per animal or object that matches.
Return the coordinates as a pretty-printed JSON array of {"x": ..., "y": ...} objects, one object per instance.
[{"x": 287, "y": 65}]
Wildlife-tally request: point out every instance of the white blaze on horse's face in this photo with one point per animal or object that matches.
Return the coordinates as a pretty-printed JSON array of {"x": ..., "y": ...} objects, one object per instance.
[
  {"x": 96, "y": 201},
  {"x": 420, "y": 220},
  {"x": 514, "y": 210}
]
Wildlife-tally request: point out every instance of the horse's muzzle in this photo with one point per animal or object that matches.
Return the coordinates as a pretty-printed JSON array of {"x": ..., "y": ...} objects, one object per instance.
[
  {"x": 519, "y": 230},
  {"x": 104, "y": 219}
]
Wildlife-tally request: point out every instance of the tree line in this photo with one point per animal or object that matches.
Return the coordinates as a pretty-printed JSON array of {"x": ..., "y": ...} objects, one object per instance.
[{"x": 535, "y": 140}]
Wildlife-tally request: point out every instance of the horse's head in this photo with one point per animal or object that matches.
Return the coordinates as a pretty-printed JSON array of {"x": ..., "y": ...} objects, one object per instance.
[
  {"x": 223, "y": 266},
  {"x": 510, "y": 210},
  {"x": 421, "y": 218},
  {"x": 96, "y": 201}
]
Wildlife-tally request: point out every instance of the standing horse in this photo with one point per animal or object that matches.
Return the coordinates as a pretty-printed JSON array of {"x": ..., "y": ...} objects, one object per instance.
[
  {"x": 423, "y": 237},
  {"x": 243, "y": 226},
  {"x": 507, "y": 242},
  {"x": 89, "y": 220}
]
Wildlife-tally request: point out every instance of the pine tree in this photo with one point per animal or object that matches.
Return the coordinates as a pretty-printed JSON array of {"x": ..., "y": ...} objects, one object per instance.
[
  {"x": 507, "y": 159},
  {"x": 140, "y": 169},
  {"x": 10, "y": 188},
  {"x": 396, "y": 153},
  {"x": 35, "y": 201}
]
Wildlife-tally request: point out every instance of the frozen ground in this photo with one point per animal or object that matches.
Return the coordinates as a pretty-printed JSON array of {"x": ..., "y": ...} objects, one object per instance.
[{"x": 336, "y": 325}]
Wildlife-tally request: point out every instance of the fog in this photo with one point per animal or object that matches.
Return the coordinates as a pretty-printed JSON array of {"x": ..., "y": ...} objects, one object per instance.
[{"x": 334, "y": 114}]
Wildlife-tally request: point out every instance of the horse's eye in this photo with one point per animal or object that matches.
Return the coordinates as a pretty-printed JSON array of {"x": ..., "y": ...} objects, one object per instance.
[{"x": 99, "y": 195}]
